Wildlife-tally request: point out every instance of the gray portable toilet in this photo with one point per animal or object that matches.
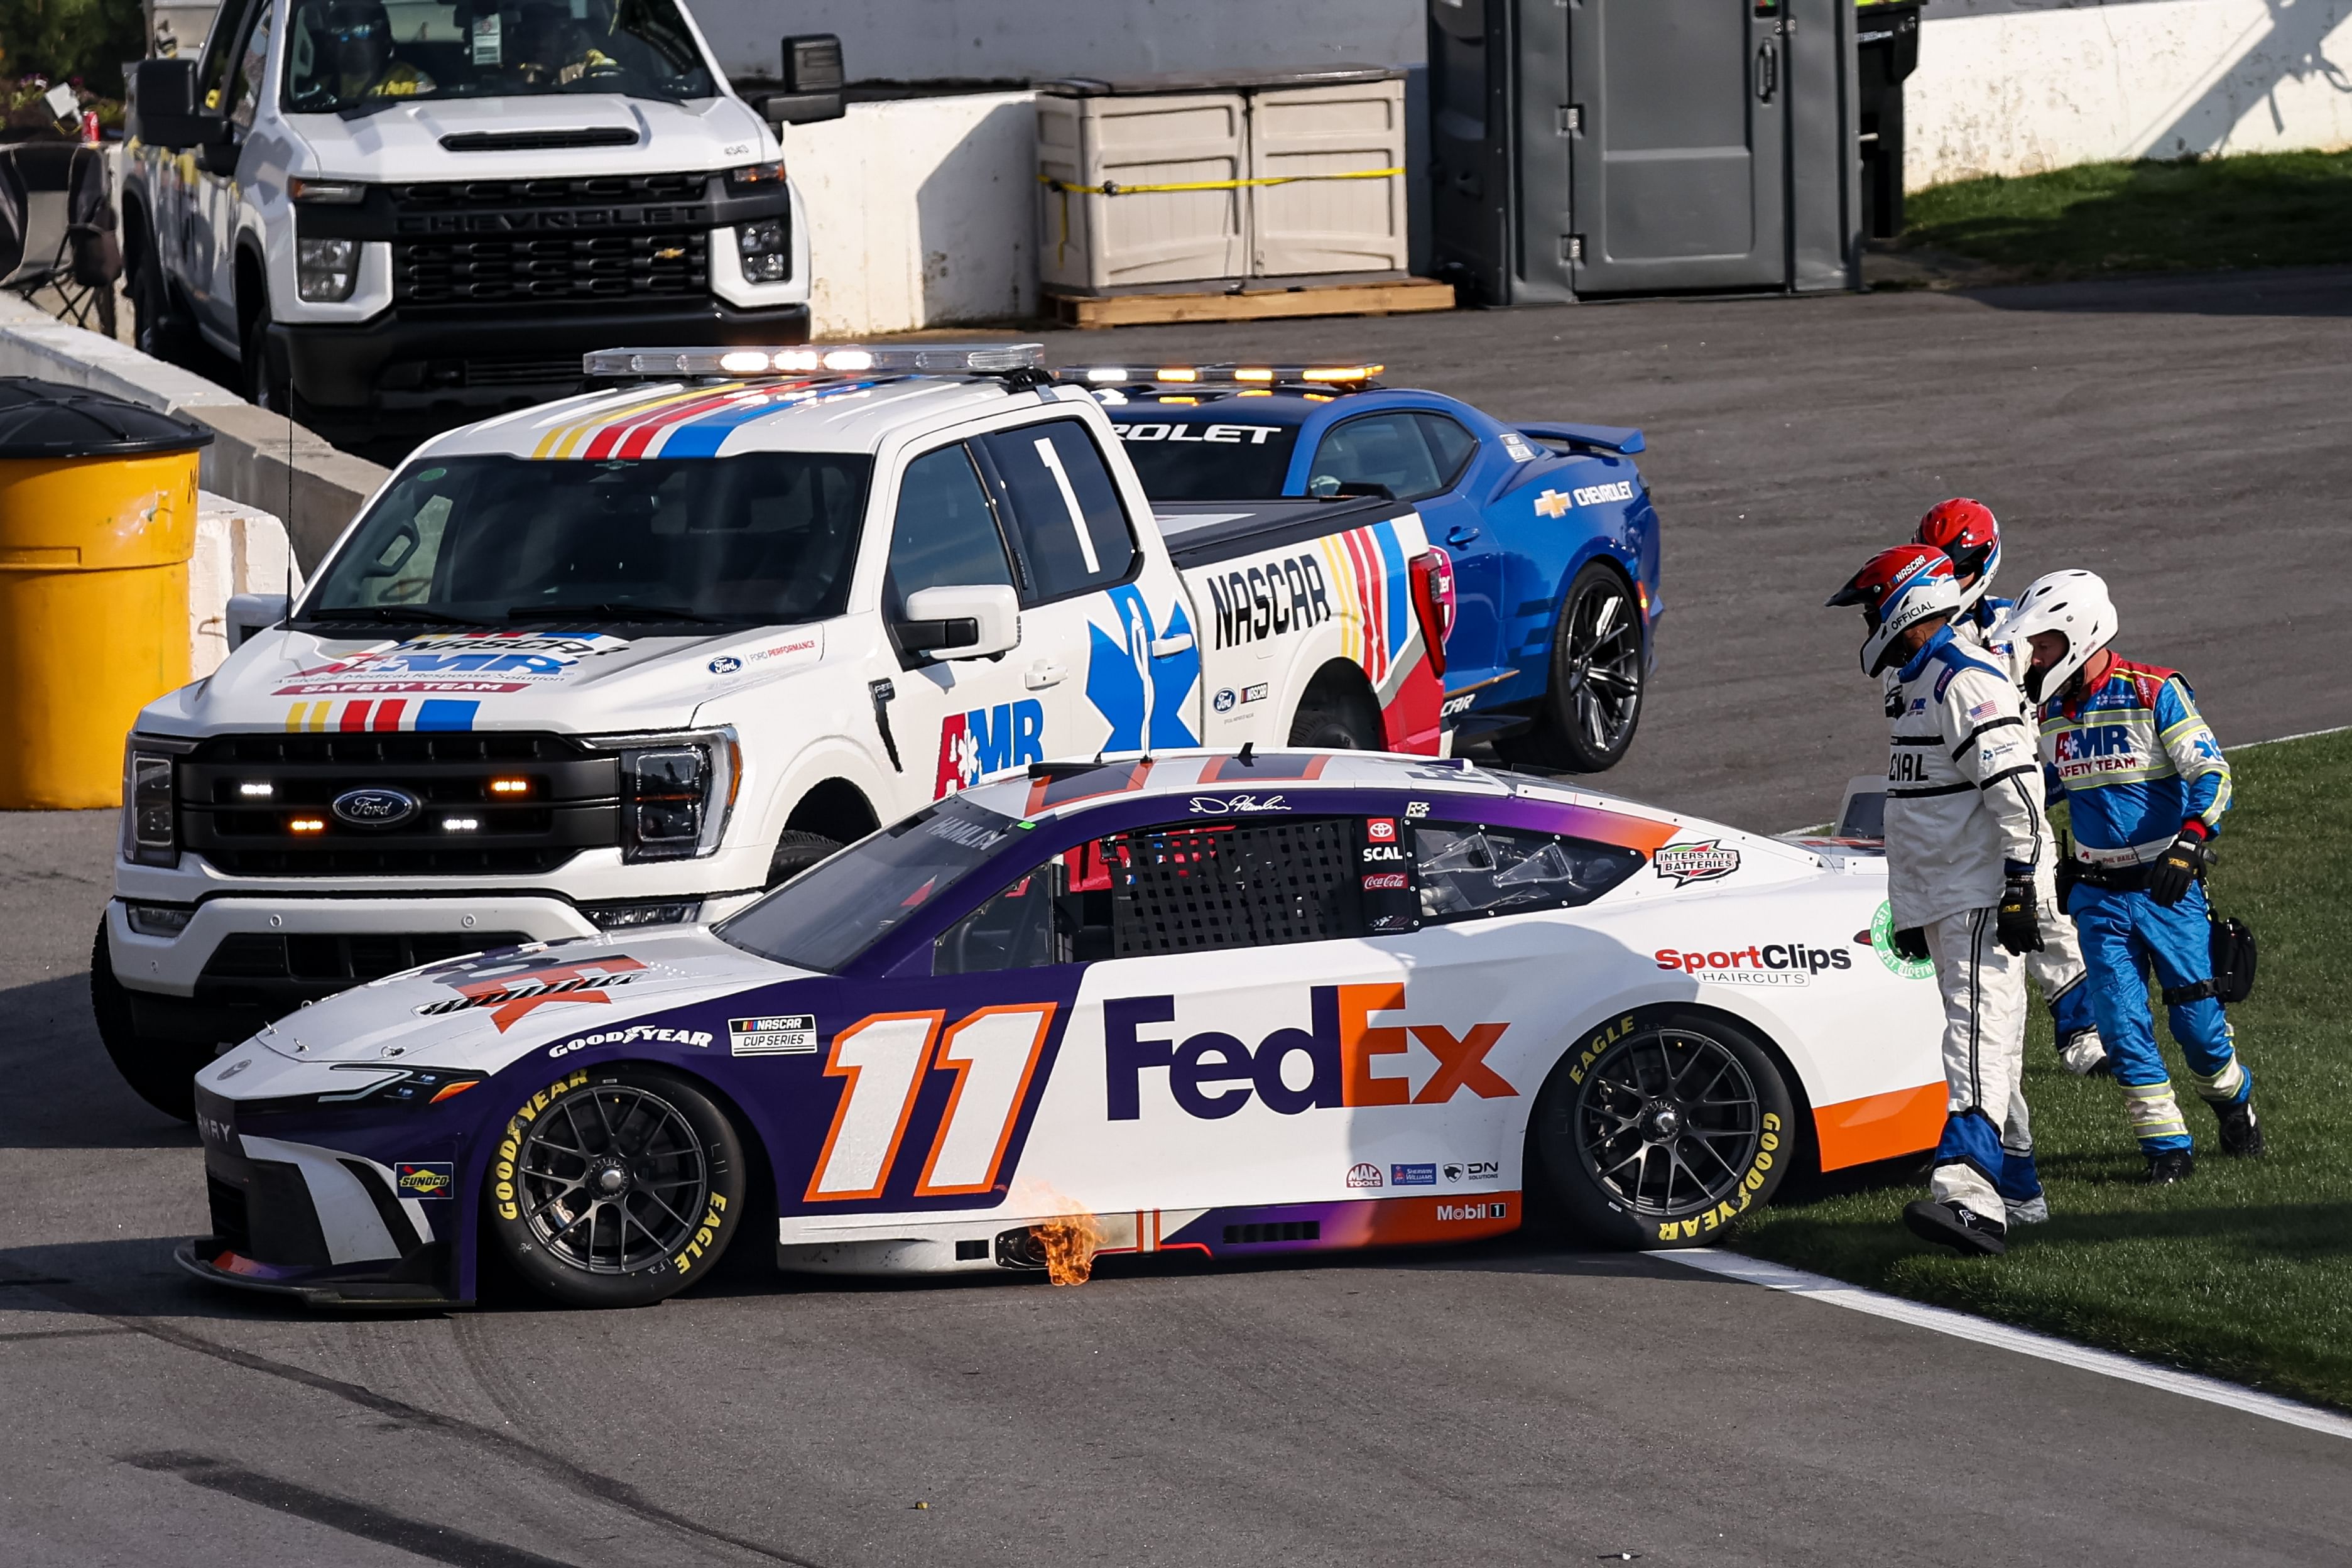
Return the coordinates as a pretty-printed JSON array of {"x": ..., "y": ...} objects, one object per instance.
[{"x": 1586, "y": 147}]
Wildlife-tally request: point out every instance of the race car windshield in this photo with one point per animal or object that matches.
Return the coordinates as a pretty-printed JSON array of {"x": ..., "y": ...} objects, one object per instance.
[
  {"x": 352, "y": 56},
  {"x": 764, "y": 539},
  {"x": 1181, "y": 460},
  {"x": 826, "y": 917}
]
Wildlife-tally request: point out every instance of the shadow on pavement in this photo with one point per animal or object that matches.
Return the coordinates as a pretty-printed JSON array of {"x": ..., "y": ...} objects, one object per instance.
[
  {"x": 63, "y": 1092},
  {"x": 2286, "y": 291}
]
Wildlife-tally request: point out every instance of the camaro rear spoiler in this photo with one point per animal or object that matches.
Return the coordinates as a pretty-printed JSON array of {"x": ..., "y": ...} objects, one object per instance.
[{"x": 1608, "y": 437}]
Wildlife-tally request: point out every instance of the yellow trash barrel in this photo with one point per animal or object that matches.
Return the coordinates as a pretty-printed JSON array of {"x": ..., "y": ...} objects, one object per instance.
[{"x": 98, "y": 518}]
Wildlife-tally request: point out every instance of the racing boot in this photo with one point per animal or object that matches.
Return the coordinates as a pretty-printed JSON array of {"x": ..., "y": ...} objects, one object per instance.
[
  {"x": 2241, "y": 1132},
  {"x": 1957, "y": 1226},
  {"x": 2085, "y": 1055},
  {"x": 2033, "y": 1211},
  {"x": 2170, "y": 1167}
]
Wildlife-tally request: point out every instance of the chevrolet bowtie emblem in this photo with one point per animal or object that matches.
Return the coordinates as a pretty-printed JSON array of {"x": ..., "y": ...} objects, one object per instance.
[
  {"x": 1551, "y": 503},
  {"x": 669, "y": 253}
]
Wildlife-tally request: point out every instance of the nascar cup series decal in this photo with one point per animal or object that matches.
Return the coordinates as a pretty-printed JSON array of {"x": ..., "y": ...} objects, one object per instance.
[
  {"x": 1704, "y": 861},
  {"x": 776, "y": 1035}
]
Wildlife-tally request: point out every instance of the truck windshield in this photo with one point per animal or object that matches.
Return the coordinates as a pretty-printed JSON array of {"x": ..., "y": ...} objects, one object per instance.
[
  {"x": 358, "y": 55},
  {"x": 1185, "y": 460},
  {"x": 826, "y": 916},
  {"x": 763, "y": 539}
]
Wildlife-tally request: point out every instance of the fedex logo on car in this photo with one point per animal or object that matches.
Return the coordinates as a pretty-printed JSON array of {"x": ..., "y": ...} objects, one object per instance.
[
  {"x": 1211, "y": 1074},
  {"x": 986, "y": 740}
]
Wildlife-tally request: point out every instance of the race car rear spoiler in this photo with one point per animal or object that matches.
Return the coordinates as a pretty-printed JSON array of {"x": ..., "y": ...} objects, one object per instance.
[{"x": 1608, "y": 437}]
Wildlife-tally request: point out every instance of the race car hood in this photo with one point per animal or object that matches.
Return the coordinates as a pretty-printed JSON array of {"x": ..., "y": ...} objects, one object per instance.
[
  {"x": 480, "y": 678},
  {"x": 484, "y": 1012},
  {"x": 403, "y": 140}
]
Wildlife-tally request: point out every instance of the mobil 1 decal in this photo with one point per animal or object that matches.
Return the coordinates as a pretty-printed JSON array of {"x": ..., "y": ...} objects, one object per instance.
[{"x": 921, "y": 1106}]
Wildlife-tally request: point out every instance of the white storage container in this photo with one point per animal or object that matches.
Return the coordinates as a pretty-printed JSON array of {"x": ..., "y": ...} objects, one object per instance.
[{"x": 1168, "y": 180}]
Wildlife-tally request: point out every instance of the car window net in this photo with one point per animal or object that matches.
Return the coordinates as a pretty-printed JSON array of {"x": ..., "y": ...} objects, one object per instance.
[{"x": 1188, "y": 888}]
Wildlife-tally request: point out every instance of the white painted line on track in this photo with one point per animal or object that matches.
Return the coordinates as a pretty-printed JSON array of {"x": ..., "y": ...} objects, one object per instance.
[
  {"x": 2282, "y": 740},
  {"x": 2024, "y": 1341}
]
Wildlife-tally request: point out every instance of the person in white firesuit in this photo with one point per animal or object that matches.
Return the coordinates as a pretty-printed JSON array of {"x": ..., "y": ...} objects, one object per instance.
[
  {"x": 1965, "y": 846},
  {"x": 1968, "y": 532}
]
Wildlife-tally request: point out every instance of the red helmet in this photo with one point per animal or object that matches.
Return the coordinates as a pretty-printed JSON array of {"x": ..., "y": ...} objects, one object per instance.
[
  {"x": 1968, "y": 532},
  {"x": 1898, "y": 588}
]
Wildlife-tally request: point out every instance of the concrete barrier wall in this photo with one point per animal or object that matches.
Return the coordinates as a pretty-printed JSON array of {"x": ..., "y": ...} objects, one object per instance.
[
  {"x": 2016, "y": 87},
  {"x": 257, "y": 459},
  {"x": 239, "y": 550}
]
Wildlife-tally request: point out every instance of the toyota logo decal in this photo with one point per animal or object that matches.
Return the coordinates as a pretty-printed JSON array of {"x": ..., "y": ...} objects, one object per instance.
[{"x": 376, "y": 807}]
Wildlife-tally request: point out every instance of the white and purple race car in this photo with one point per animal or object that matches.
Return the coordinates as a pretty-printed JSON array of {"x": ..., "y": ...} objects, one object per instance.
[{"x": 1206, "y": 1002}]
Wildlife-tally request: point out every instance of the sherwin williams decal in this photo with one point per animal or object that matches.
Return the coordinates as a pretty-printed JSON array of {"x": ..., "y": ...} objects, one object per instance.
[
  {"x": 478, "y": 663},
  {"x": 1139, "y": 694},
  {"x": 987, "y": 740},
  {"x": 1212, "y": 1075}
]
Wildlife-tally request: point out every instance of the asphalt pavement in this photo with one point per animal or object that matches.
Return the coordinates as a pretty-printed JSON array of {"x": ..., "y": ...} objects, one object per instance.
[{"x": 1506, "y": 1404}]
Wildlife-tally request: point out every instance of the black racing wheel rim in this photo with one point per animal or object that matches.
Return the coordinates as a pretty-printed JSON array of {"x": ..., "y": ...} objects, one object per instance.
[
  {"x": 1603, "y": 681},
  {"x": 1668, "y": 1122},
  {"x": 614, "y": 1180}
]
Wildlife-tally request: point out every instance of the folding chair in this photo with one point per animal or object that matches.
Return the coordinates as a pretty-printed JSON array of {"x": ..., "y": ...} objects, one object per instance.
[{"x": 68, "y": 228}]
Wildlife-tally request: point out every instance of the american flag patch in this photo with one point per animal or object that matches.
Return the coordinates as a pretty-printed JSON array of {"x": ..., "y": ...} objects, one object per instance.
[{"x": 1984, "y": 710}]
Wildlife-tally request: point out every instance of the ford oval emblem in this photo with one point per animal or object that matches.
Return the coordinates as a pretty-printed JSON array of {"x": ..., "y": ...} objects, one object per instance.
[
  {"x": 376, "y": 807},
  {"x": 725, "y": 664}
]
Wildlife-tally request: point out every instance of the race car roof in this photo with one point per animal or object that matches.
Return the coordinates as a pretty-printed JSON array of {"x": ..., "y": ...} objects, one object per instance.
[
  {"x": 1045, "y": 788},
  {"x": 713, "y": 418}
]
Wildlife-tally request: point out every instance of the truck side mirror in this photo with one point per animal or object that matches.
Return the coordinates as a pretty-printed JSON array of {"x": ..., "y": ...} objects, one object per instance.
[
  {"x": 961, "y": 621},
  {"x": 812, "y": 81},
  {"x": 251, "y": 613},
  {"x": 163, "y": 105}
]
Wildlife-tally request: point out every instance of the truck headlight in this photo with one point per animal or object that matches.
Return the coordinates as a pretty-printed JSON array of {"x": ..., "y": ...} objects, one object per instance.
[
  {"x": 151, "y": 823},
  {"x": 767, "y": 258},
  {"x": 676, "y": 795},
  {"x": 326, "y": 269}
]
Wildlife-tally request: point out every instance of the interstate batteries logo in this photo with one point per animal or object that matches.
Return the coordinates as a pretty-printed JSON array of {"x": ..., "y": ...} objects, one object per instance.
[
  {"x": 1882, "y": 943},
  {"x": 1704, "y": 861}
]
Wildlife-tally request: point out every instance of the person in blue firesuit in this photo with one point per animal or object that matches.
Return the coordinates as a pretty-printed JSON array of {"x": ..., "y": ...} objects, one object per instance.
[{"x": 2146, "y": 787}]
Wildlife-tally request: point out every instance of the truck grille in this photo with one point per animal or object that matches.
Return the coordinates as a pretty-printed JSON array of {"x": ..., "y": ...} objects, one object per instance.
[
  {"x": 570, "y": 802},
  {"x": 569, "y": 267},
  {"x": 448, "y": 194}
]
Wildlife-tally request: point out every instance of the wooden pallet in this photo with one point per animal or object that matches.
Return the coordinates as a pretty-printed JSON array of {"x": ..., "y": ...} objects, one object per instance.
[{"x": 1392, "y": 295}]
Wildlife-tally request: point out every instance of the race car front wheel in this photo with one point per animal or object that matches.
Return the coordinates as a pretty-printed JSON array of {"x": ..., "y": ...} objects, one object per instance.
[
  {"x": 616, "y": 1187},
  {"x": 1661, "y": 1127}
]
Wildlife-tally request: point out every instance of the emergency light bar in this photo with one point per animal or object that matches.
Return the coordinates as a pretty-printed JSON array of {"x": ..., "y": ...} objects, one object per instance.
[
  {"x": 1341, "y": 377},
  {"x": 817, "y": 360}
]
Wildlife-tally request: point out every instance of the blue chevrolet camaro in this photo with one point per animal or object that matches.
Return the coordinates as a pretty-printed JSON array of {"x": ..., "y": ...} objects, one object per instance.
[{"x": 1550, "y": 526}]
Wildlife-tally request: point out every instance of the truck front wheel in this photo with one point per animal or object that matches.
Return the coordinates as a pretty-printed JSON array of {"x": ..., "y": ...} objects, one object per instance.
[
  {"x": 158, "y": 329},
  {"x": 795, "y": 852},
  {"x": 160, "y": 1072}
]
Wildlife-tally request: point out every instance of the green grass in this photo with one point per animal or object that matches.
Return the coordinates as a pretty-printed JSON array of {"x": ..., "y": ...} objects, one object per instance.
[
  {"x": 2258, "y": 209},
  {"x": 2244, "y": 1272}
]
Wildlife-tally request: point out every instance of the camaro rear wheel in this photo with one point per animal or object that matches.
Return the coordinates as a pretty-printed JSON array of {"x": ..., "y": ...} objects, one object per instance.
[
  {"x": 1595, "y": 701},
  {"x": 616, "y": 1187},
  {"x": 1662, "y": 1128}
]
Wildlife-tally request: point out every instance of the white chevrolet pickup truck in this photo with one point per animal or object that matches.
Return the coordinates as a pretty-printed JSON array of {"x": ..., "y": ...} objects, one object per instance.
[
  {"x": 633, "y": 658},
  {"x": 396, "y": 215}
]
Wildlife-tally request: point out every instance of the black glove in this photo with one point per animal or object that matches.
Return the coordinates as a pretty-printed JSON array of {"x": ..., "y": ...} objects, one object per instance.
[
  {"x": 2170, "y": 873},
  {"x": 2018, "y": 921},
  {"x": 1911, "y": 942}
]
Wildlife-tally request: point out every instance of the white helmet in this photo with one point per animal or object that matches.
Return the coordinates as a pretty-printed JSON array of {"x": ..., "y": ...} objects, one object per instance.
[{"x": 2076, "y": 605}]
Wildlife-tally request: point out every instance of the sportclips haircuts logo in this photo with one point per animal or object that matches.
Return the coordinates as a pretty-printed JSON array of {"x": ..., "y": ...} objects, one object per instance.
[
  {"x": 1211, "y": 1074},
  {"x": 511, "y": 994},
  {"x": 1770, "y": 964}
]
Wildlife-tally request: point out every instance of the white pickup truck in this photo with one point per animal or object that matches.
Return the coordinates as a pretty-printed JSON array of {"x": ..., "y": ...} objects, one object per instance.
[
  {"x": 396, "y": 215},
  {"x": 632, "y": 658}
]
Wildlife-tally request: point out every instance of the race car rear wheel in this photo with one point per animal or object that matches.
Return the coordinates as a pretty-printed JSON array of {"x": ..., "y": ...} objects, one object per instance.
[
  {"x": 1594, "y": 703},
  {"x": 1662, "y": 1126},
  {"x": 616, "y": 1187}
]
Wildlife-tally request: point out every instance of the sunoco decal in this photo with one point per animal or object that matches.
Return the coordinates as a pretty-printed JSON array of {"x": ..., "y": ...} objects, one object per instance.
[
  {"x": 424, "y": 1178},
  {"x": 1704, "y": 861}
]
